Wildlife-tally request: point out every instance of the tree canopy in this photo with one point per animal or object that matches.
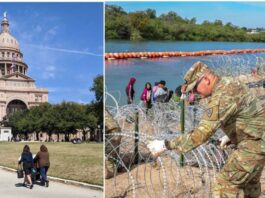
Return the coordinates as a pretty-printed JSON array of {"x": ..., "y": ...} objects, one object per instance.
[
  {"x": 146, "y": 25},
  {"x": 65, "y": 118}
]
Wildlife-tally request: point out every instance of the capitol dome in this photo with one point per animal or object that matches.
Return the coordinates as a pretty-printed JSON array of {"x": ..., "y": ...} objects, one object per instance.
[
  {"x": 6, "y": 39},
  {"x": 11, "y": 58}
]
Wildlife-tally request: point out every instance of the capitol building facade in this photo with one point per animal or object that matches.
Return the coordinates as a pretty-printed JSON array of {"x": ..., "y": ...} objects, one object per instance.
[{"x": 17, "y": 90}]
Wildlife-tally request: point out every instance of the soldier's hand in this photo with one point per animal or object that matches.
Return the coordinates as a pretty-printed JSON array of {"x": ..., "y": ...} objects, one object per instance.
[
  {"x": 156, "y": 147},
  {"x": 224, "y": 141},
  {"x": 183, "y": 88}
]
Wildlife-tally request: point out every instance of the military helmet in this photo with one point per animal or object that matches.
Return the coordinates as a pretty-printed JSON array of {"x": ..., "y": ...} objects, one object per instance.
[{"x": 194, "y": 75}]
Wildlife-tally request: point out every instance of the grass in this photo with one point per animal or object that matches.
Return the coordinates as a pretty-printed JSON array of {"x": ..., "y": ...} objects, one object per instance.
[{"x": 79, "y": 162}]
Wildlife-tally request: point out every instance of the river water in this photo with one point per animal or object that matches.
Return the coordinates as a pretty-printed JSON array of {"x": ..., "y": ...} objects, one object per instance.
[{"x": 172, "y": 70}]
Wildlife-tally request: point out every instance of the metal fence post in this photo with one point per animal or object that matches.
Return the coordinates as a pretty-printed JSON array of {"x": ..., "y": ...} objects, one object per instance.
[
  {"x": 136, "y": 138},
  {"x": 182, "y": 126}
]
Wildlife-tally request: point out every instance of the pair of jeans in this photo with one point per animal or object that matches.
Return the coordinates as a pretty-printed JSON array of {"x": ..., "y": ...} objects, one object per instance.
[{"x": 43, "y": 173}]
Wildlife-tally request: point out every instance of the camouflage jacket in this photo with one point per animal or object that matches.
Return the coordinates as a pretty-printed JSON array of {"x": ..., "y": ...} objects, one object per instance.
[{"x": 233, "y": 109}]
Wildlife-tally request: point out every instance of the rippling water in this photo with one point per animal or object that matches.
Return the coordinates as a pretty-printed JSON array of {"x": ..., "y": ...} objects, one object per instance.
[{"x": 172, "y": 70}]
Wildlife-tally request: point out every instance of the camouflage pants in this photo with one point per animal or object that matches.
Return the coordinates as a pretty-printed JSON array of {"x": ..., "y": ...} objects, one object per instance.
[{"x": 240, "y": 176}]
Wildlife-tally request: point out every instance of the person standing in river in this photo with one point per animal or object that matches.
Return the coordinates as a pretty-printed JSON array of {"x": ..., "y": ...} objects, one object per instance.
[
  {"x": 146, "y": 96},
  {"x": 130, "y": 90}
]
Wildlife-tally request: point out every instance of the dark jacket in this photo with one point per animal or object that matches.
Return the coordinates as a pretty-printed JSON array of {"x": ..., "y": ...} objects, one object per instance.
[
  {"x": 26, "y": 157},
  {"x": 43, "y": 159}
]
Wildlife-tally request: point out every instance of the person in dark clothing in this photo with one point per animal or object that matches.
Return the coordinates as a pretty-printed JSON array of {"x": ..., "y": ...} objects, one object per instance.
[
  {"x": 27, "y": 160},
  {"x": 43, "y": 160},
  {"x": 169, "y": 96},
  {"x": 130, "y": 90}
]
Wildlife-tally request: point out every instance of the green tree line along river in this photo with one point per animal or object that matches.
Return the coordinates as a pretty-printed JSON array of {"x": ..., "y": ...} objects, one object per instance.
[{"x": 146, "y": 25}]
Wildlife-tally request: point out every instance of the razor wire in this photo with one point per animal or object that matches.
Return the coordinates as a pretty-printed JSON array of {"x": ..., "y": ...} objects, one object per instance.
[
  {"x": 165, "y": 176},
  {"x": 162, "y": 176}
]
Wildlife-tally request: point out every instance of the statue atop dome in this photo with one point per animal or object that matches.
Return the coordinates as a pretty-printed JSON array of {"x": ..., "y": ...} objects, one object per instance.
[{"x": 5, "y": 24}]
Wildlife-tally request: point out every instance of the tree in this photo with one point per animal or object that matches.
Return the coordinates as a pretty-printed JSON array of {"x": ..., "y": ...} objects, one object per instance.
[
  {"x": 151, "y": 13},
  {"x": 95, "y": 109},
  {"x": 145, "y": 25}
]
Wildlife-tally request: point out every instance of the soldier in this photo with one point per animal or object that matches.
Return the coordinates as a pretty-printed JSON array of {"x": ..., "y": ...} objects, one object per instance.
[
  {"x": 232, "y": 108},
  {"x": 111, "y": 145}
]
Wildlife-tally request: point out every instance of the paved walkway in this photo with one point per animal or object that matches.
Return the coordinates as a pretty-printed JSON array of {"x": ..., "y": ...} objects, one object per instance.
[{"x": 10, "y": 187}]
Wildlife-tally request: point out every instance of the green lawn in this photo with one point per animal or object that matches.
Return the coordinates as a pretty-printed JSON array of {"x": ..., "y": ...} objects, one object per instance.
[{"x": 79, "y": 162}]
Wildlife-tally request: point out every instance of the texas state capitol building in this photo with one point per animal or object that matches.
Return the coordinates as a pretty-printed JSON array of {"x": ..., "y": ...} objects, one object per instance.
[{"x": 17, "y": 90}]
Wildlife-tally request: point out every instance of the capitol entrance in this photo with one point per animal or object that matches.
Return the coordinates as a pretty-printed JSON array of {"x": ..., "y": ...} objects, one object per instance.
[{"x": 15, "y": 105}]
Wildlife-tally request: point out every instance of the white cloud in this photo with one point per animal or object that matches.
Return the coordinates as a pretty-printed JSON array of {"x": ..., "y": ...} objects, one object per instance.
[
  {"x": 52, "y": 31},
  {"x": 66, "y": 50},
  {"x": 47, "y": 72},
  {"x": 25, "y": 36}
]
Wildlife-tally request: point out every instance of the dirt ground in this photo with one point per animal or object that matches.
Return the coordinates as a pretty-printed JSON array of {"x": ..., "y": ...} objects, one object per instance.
[{"x": 147, "y": 180}]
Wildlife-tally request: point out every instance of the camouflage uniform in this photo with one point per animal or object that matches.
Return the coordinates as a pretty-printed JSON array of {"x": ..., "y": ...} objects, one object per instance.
[
  {"x": 233, "y": 109},
  {"x": 111, "y": 145}
]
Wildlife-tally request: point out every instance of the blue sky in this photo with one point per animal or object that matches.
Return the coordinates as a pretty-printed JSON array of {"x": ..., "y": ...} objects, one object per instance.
[
  {"x": 62, "y": 44},
  {"x": 245, "y": 14}
]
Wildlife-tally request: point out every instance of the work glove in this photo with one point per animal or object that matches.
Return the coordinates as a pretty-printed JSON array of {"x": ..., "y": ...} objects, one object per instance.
[
  {"x": 224, "y": 141},
  {"x": 157, "y": 147},
  {"x": 183, "y": 96}
]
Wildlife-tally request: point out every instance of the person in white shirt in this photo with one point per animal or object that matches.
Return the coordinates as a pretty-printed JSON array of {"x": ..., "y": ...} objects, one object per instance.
[{"x": 161, "y": 89}]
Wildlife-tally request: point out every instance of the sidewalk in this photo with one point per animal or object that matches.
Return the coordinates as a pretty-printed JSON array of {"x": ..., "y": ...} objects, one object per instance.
[{"x": 10, "y": 187}]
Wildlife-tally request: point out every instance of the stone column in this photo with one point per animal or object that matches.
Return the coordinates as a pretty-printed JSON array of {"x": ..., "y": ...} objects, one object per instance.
[{"x": 5, "y": 69}]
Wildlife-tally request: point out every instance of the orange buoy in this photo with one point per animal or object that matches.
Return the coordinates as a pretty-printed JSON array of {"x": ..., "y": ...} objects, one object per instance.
[{"x": 126, "y": 55}]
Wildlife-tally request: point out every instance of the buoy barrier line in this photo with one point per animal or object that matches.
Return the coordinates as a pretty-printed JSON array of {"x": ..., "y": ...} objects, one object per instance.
[{"x": 143, "y": 55}]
